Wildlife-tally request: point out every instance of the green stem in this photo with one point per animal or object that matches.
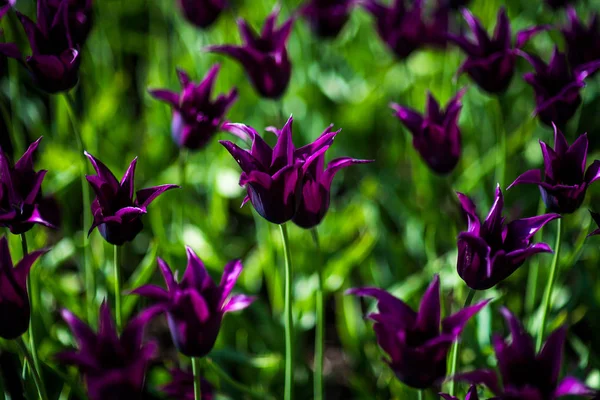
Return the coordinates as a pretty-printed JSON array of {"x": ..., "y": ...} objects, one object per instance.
[
  {"x": 501, "y": 133},
  {"x": 88, "y": 267},
  {"x": 31, "y": 287},
  {"x": 289, "y": 322},
  {"x": 34, "y": 371},
  {"x": 420, "y": 394},
  {"x": 547, "y": 300},
  {"x": 182, "y": 170},
  {"x": 196, "y": 367},
  {"x": 233, "y": 383},
  {"x": 532, "y": 276},
  {"x": 455, "y": 353},
  {"x": 320, "y": 331},
  {"x": 117, "y": 265}
]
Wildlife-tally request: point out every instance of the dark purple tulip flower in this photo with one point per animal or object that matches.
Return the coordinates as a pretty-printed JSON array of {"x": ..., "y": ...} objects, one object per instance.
[
  {"x": 272, "y": 176},
  {"x": 116, "y": 214},
  {"x": 556, "y": 86},
  {"x": 14, "y": 301},
  {"x": 471, "y": 395},
  {"x": 596, "y": 218},
  {"x": 6, "y": 5},
  {"x": 327, "y": 17},
  {"x": 489, "y": 253},
  {"x": 583, "y": 41},
  {"x": 181, "y": 386},
  {"x": 195, "y": 306},
  {"x": 21, "y": 202},
  {"x": 436, "y": 135},
  {"x": 202, "y": 13},
  {"x": 565, "y": 177},
  {"x": 491, "y": 60},
  {"x": 404, "y": 29},
  {"x": 556, "y": 4},
  {"x": 54, "y": 62},
  {"x": 80, "y": 16},
  {"x": 525, "y": 374},
  {"x": 196, "y": 117},
  {"x": 113, "y": 366},
  {"x": 413, "y": 340},
  {"x": 264, "y": 56}
]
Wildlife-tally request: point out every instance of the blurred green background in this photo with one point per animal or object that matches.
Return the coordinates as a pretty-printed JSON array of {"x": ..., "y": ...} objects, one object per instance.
[{"x": 392, "y": 224}]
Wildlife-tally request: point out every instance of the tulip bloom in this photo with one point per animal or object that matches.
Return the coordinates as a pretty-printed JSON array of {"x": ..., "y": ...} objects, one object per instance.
[
  {"x": 556, "y": 86},
  {"x": 272, "y": 176},
  {"x": 195, "y": 306},
  {"x": 327, "y": 17},
  {"x": 471, "y": 394},
  {"x": 264, "y": 56},
  {"x": 436, "y": 135},
  {"x": 196, "y": 117},
  {"x": 525, "y": 374},
  {"x": 489, "y": 253},
  {"x": 116, "y": 214},
  {"x": 202, "y": 13},
  {"x": 491, "y": 60},
  {"x": 54, "y": 63},
  {"x": 80, "y": 16},
  {"x": 181, "y": 386},
  {"x": 21, "y": 202},
  {"x": 113, "y": 366},
  {"x": 556, "y": 4},
  {"x": 413, "y": 340},
  {"x": 5, "y": 6},
  {"x": 405, "y": 30},
  {"x": 15, "y": 309},
  {"x": 565, "y": 178},
  {"x": 583, "y": 41}
]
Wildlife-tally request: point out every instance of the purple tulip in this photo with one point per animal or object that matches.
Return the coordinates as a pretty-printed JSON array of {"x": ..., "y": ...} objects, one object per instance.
[
  {"x": 114, "y": 367},
  {"x": 404, "y": 29},
  {"x": 583, "y": 41},
  {"x": 413, "y": 340},
  {"x": 525, "y": 374},
  {"x": 5, "y": 6},
  {"x": 556, "y": 4},
  {"x": 21, "y": 202},
  {"x": 54, "y": 63},
  {"x": 491, "y": 60},
  {"x": 196, "y": 117},
  {"x": 489, "y": 253},
  {"x": 264, "y": 56},
  {"x": 454, "y": 4},
  {"x": 565, "y": 178},
  {"x": 436, "y": 135},
  {"x": 116, "y": 214},
  {"x": 14, "y": 301},
  {"x": 327, "y": 17},
  {"x": 471, "y": 394},
  {"x": 80, "y": 16},
  {"x": 195, "y": 306},
  {"x": 556, "y": 86},
  {"x": 202, "y": 13},
  {"x": 181, "y": 386},
  {"x": 272, "y": 176}
]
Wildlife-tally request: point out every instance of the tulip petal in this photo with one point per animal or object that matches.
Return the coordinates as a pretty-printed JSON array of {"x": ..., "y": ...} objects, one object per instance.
[
  {"x": 152, "y": 292},
  {"x": 167, "y": 275},
  {"x": 336, "y": 165},
  {"x": 283, "y": 152},
  {"x": 25, "y": 163},
  {"x": 428, "y": 317},
  {"x": 84, "y": 336},
  {"x": 238, "y": 302},
  {"x": 486, "y": 377},
  {"x": 526, "y": 34},
  {"x": 231, "y": 272},
  {"x": 21, "y": 270},
  {"x": 146, "y": 196},
  {"x": 471, "y": 210},
  {"x": 387, "y": 303},
  {"x": 493, "y": 221},
  {"x": 571, "y": 386},
  {"x": 103, "y": 172},
  {"x": 533, "y": 176},
  {"x": 593, "y": 172},
  {"x": 245, "y": 160},
  {"x": 520, "y": 231},
  {"x": 596, "y": 218},
  {"x": 195, "y": 275},
  {"x": 168, "y": 96},
  {"x": 127, "y": 183},
  {"x": 454, "y": 324},
  {"x": 409, "y": 117},
  {"x": 551, "y": 354}
]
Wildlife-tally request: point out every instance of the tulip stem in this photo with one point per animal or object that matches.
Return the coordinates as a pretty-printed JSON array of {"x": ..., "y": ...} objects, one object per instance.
[
  {"x": 235, "y": 384},
  {"x": 182, "y": 182},
  {"x": 455, "y": 353},
  {"x": 320, "y": 328},
  {"x": 90, "y": 282},
  {"x": 196, "y": 367},
  {"x": 501, "y": 154},
  {"x": 289, "y": 321},
  {"x": 547, "y": 300},
  {"x": 420, "y": 394},
  {"x": 34, "y": 371},
  {"x": 533, "y": 273},
  {"x": 116, "y": 262}
]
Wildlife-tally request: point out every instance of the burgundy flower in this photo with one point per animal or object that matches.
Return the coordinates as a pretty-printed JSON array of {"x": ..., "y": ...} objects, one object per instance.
[
  {"x": 116, "y": 214},
  {"x": 583, "y": 41},
  {"x": 525, "y": 374},
  {"x": 416, "y": 345},
  {"x": 80, "y": 17},
  {"x": 272, "y": 176},
  {"x": 491, "y": 60},
  {"x": 202, "y": 13},
  {"x": 114, "y": 367},
  {"x": 264, "y": 56},
  {"x": 181, "y": 386},
  {"x": 565, "y": 179},
  {"x": 436, "y": 135},
  {"x": 196, "y": 117},
  {"x": 327, "y": 17},
  {"x": 489, "y": 253},
  {"x": 406, "y": 29},
  {"x": 21, "y": 202},
  {"x": 195, "y": 306},
  {"x": 556, "y": 86},
  {"x": 15, "y": 309},
  {"x": 556, "y": 4},
  {"x": 5, "y": 6}
]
